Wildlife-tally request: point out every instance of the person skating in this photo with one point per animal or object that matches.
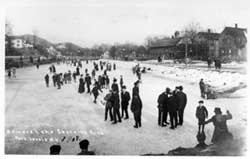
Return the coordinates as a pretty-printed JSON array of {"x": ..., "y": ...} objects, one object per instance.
[
  {"x": 202, "y": 88},
  {"x": 77, "y": 71},
  {"x": 182, "y": 102},
  {"x": 114, "y": 86},
  {"x": 172, "y": 108},
  {"x": 136, "y": 108},
  {"x": 107, "y": 81},
  {"x": 108, "y": 106},
  {"x": 9, "y": 72},
  {"x": 47, "y": 80},
  {"x": 115, "y": 102},
  {"x": 125, "y": 98},
  {"x": 201, "y": 114},
  {"x": 54, "y": 76},
  {"x": 14, "y": 72},
  {"x": 74, "y": 76},
  {"x": 88, "y": 82},
  {"x": 69, "y": 76},
  {"x": 58, "y": 81},
  {"x": 81, "y": 88},
  {"x": 121, "y": 81},
  {"x": 95, "y": 91},
  {"x": 93, "y": 73}
]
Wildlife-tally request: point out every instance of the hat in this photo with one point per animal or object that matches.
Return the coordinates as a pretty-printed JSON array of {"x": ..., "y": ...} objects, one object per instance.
[
  {"x": 136, "y": 82},
  {"x": 201, "y": 101},
  {"x": 180, "y": 88},
  {"x": 168, "y": 90},
  {"x": 217, "y": 110},
  {"x": 123, "y": 87}
]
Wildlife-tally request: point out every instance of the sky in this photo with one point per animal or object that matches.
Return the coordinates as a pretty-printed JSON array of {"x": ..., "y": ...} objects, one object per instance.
[{"x": 86, "y": 23}]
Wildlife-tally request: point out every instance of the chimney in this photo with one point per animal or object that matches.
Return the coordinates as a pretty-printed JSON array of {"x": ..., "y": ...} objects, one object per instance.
[
  {"x": 236, "y": 25},
  {"x": 209, "y": 30}
]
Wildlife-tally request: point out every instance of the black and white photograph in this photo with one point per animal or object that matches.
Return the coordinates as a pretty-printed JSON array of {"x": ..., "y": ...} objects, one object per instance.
[{"x": 125, "y": 78}]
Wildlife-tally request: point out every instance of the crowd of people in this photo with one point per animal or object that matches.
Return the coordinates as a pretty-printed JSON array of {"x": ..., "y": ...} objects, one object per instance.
[{"x": 171, "y": 103}]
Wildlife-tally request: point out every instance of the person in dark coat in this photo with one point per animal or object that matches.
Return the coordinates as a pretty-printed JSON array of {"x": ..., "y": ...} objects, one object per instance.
[
  {"x": 58, "y": 81},
  {"x": 55, "y": 150},
  {"x": 115, "y": 102},
  {"x": 135, "y": 90},
  {"x": 125, "y": 98},
  {"x": 121, "y": 81},
  {"x": 221, "y": 132},
  {"x": 77, "y": 71},
  {"x": 88, "y": 82},
  {"x": 47, "y": 80},
  {"x": 93, "y": 73},
  {"x": 172, "y": 108},
  {"x": 84, "y": 145},
  {"x": 202, "y": 88},
  {"x": 182, "y": 102},
  {"x": 74, "y": 76},
  {"x": 81, "y": 88},
  {"x": 95, "y": 91},
  {"x": 103, "y": 78},
  {"x": 108, "y": 106},
  {"x": 162, "y": 107},
  {"x": 54, "y": 79},
  {"x": 201, "y": 114},
  {"x": 107, "y": 81},
  {"x": 136, "y": 108},
  {"x": 9, "y": 72},
  {"x": 114, "y": 86},
  {"x": 114, "y": 66}
]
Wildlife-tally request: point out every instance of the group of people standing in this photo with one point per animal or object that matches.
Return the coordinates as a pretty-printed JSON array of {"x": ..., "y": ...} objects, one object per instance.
[{"x": 172, "y": 102}]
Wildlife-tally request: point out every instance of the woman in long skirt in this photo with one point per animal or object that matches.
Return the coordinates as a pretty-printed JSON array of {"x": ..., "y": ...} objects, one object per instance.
[{"x": 81, "y": 88}]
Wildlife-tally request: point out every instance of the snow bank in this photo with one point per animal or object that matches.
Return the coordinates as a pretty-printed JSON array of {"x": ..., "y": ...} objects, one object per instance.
[{"x": 219, "y": 81}]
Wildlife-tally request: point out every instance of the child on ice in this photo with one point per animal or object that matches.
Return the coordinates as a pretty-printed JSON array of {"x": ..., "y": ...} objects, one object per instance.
[{"x": 201, "y": 114}]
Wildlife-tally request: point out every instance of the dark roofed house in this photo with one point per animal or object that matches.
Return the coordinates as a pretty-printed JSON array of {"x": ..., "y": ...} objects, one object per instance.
[
  {"x": 233, "y": 42},
  {"x": 208, "y": 44},
  {"x": 164, "y": 47}
]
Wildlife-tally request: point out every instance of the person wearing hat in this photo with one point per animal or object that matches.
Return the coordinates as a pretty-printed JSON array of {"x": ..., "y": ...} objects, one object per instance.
[
  {"x": 115, "y": 102},
  {"x": 96, "y": 90},
  {"x": 136, "y": 108},
  {"x": 202, "y": 88},
  {"x": 135, "y": 90},
  {"x": 84, "y": 145},
  {"x": 81, "y": 87},
  {"x": 55, "y": 150},
  {"x": 114, "y": 86},
  {"x": 172, "y": 108},
  {"x": 221, "y": 132},
  {"x": 88, "y": 82},
  {"x": 108, "y": 106},
  {"x": 182, "y": 102},
  {"x": 121, "y": 81},
  {"x": 201, "y": 114},
  {"x": 162, "y": 107},
  {"x": 125, "y": 98}
]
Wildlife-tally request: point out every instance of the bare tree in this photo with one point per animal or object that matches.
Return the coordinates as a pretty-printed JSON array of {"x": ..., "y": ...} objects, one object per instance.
[
  {"x": 8, "y": 28},
  {"x": 189, "y": 33}
]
